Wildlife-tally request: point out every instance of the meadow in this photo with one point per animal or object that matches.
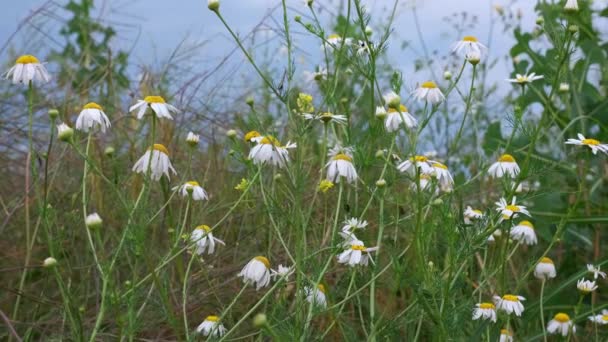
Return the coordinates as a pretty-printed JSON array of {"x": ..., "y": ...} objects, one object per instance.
[{"x": 356, "y": 201}]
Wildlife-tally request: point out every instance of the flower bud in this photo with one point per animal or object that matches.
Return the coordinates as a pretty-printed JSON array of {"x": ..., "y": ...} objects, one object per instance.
[
  {"x": 381, "y": 183},
  {"x": 540, "y": 20},
  {"x": 249, "y": 101},
  {"x": 65, "y": 132},
  {"x": 573, "y": 29},
  {"x": 380, "y": 154},
  {"x": 49, "y": 262},
  {"x": 192, "y": 139},
  {"x": 447, "y": 75},
  {"x": 277, "y": 176},
  {"x": 93, "y": 221},
  {"x": 213, "y": 5},
  {"x": 231, "y": 133},
  {"x": 109, "y": 151},
  {"x": 309, "y": 3},
  {"x": 260, "y": 320},
  {"x": 53, "y": 113},
  {"x": 564, "y": 87},
  {"x": 368, "y": 31},
  {"x": 297, "y": 19}
]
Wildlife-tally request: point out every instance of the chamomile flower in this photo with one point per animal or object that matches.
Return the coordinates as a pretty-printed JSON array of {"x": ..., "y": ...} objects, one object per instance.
[
  {"x": 192, "y": 139},
  {"x": 504, "y": 166},
  {"x": 425, "y": 183},
  {"x": 282, "y": 271},
  {"x": 253, "y": 137},
  {"x": 429, "y": 92},
  {"x": 204, "y": 239},
  {"x": 158, "y": 106},
  {"x": 525, "y": 79},
  {"x": 356, "y": 254},
  {"x": 92, "y": 116},
  {"x": 157, "y": 160},
  {"x": 505, "y": 336},
  {"x": 593, "y": 144},
  {"x": 586, "y": 286},
  {"x": 561, "y": 324},
  {"x": 392, "y": 99},
  {"x": 443, "y": 175},
  {"x": 363, "y": 48},
  {"x": 468, "y": 45},
  {"x": 257, "y": 271},
  {"x": 315, "y": 76},
  {"x": 335, "y": 41},
  {"x": 596, "y": 271},
  {"x": 93, "y": 221},
  {"x": 510, "y": 304},
  {"x": 211, "y": 326},
  {"x": 27, "y": 68},
  {"x": 395, "y": 117},
  {"x": 316, "y": 295},
  {"x": 421, "y": 162},
  {"x": 327, "y": 117},
  {"x": 269, "y": 150},
  {"x": 471, "y": 215},
  {"x": 571, "y": 5},
  {"x": 198, "y": 193},
  {"x": 545, "y": 269},
  {"x": 524, "y": 233},
  {"x": 341, "y": 165},
  {"x": 509, "y": 211},
  {"x": 486, "y": 311},
  {"x": 353, "y": 224},
  {"x": 600, "y": 319}
]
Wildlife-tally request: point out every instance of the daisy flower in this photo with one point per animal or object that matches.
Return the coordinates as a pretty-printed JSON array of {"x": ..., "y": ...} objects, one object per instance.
[
  {"x": 392, "y": 99},
  {"x": 596, "y": 271},
  {"x": 253, "y": 136},
  {"x": 524, "y": 79},
  {"x": 468, "y": 45},
  {"x": 27, "y": 68},
  {"x": 600, "y": 319},
  {"x": 204, "y": 239},
  {"x": 421, "y": 162},
  {"x": 335, "y": 40},
  {"x": 509, "y": 211},
  {"x": 93, "y": 221},
  {"x": 505, "y": 165},
  {"x": 443, "y": 175},
  {"x": 198, "y": 193},
  {"x": 282, "y": 271},
  {"x": 586, "y": 286},
  {"x": 257, "y": 271},
  {"x": 211, "y": 326},
  {"x": 316, "y": 295},
  {"x": 505, "y": 336},
  {"x": 545, "y": 269},
  {"x": 157, "y": 160},
  {"x": 524, "y": 233},
  {"x": 393, "y": 118},
  {"x": 429, "y": 92},
  {"x": 341, "y": 165},
  {"x": 571, "y": 5},
  {"x": 471, "y": 215},
  {"x": 192, "y": 139},
  {"x": 356, "y": 254},
  {"x": 593, "y": 144},
  {"x": 353, "y": 224},
  {"x": 561, "y": 324},
  {"x": 270, "y": 150},
  {"x": 92, "y": 116},
  {"x": 510, "y": 304},
  {"x": 484, "y": 311},
  {"x": 158, "y": 106},
  {"x": 327, "y": 117}
]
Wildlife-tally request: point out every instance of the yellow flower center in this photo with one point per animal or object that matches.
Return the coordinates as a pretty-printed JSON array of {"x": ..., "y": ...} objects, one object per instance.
[
  {"x": 439, "y": 165},
  {"x": 471, "y": 39},
  {"x": 92, "y": 105},
  {"x": 429, "y": 84},
  {"x": 425, "y": 177},
  {"x": 513, "y": 208},
  {"x": 506, "y": 158},
  {"x": 562, "y": 317},
  {"x": 327, "y": 116},
  {"x": 590, "y": 142},
  {"x": 325, "y": 185},
  {"x": 333, "y": 36},
  {"x": 358, "y": 248},
  {"x": 204, "y": 227},
  {"x": 604, "y": 317},
  {"x": 212, "y": 318},
  {"x": 527, "y": 224},
  {"x": 402, "y": 109},
  {"x": 487, "y": 306},
  {"x": 546, "y": 260},
  {"x": 419, "y": 159},
  {"x": 477, "y": 211},
  {"x": 321, "y": 288},
  {"x": 154, "y": 99},
  {"x": 27, "y": 59},
  {"x": 342, "y": 156},
  {"x": 263, "y": 260},
  {"x": 161, "y": 148},
  {"x": 193, "y": 183},
  {"x": 252, "y": 134},
  {"x": 505, "y": 332},
  {"x": 510, "y": 298},
  {"x": 270, "y": 140}
]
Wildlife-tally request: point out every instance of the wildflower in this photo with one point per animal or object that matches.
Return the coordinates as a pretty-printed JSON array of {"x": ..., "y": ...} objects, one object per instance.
[
  {"x": 27, "y": 68},
  {"x": 468, "y": 45},
  {"x": 192, "y": 139},
  {"x": 545, "y": 269},
  {"x": 253, "y": 136},
  {"x": 327, "y": 117},
  {"x": 596, "y": 271},
  {"x": 593, "y": 144},
  {"x": 471, "y": 215},
  {"x": 424, "y": 182},
  {"x": 204, "y": 239},
  {"x": 524, "y": 232},
  {"x": 353, "y": 224},
  {"x": 473, "y": 57},
  {"x": 420, "y": 162},
  {"x": 510, "y": 304},
  {"x": 282, "y": 271},
  {"x": 560, "y": 324},
  {"x": 65, "y": 132},
  {"x": 564, "y": 87},
  {"x": 505, "y": 165},
  {"x": 586, "y": 286},
  {"x": 512, "y": 210},
  {"x": 600, "y": 319},
  {"x": 341, "y": 165},
  {"x": 93, "y": 221},
  {"x": 157, "y": 160},
  {"x": 317, "y": 76},
  {"x": 270, "y": 150},
  {"x": 392, "y": 100},
  {"x": 257, "y": 271},
  {"x": 484, "y": 311},
  {"x": 316, "y": 295},
  {"x": 260, "y": 320},
  {"x": 363, "y": 48},
  {"x": 505, "y": 336},
  {"x": 524, "y": 79},
  {"x": 49, "y": 262},
  {"x": 231, "y": 133},
  {"x": 91, "y": 116},
  {"x": 334, "y": 40},
  {"x": 304, "y": 103},
  {"x": 447, "y": 75},
  {"x": 158, "y": 106},
  {"x": 192, "y": 187},
  {"x": 443, "y": 175},
  {"x": 325, "y": 185},
  {"x": 429, "y": 92},
  {"x": 571, "y": 5},
  {"x": 356, "y": 254},
  {"x": 242, "y": 186},
  {"x": 381, "y": 183},
  {"x": 395, "y": 117},
  {"x": 211, "y": 325}
]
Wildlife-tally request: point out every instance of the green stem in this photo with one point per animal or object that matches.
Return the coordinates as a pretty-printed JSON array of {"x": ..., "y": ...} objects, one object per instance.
[{"x": 542, "y": 313}]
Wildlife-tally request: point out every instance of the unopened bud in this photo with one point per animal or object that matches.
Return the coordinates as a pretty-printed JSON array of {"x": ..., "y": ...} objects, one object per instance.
[
  {"x": 65, "y": 132},
  {"x": 213, "y": 5},
  {"x": 109, "y": 151},
  {"x": 93, "y": 221},
  {"x": 260, "y": 320},
  {"x": 381, "y": 183},
  {"x": 53, "y": 113},
  {"x": 49, "y": 262}
]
